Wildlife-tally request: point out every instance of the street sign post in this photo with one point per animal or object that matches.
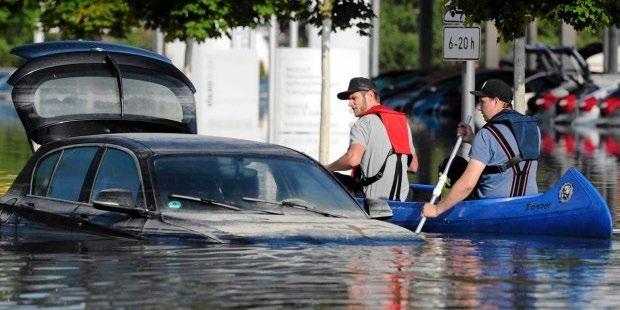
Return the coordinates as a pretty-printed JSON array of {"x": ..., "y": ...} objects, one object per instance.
[
  {"x": 454, "y": 16},
  {"x": 461, "y": 43}
]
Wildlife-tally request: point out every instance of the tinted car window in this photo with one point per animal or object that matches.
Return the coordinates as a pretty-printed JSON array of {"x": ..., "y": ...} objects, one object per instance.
[
  {"x": 72, "y": 95},
  {"x": 117, "y": 170},
  {"x": 43, "y": 174},
  {"x": 156, "y": 96},
  {"x": 231, "y": 178},
  {"x": 92, "y": 89},
  {"x": 70, "y": 173}
]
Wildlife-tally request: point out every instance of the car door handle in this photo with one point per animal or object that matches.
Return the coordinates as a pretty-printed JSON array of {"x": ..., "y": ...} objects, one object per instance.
[
  {"x": 81, "y": 219},
  {"x": 29, "y": 206}
]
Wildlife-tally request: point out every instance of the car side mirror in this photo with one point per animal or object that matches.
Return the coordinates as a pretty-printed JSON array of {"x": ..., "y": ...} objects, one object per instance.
[
  {"x": 118, "y": 200},
  {"x": 378, "y": 209}
]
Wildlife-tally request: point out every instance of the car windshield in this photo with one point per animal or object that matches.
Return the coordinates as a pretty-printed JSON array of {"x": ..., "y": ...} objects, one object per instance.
[{"x": 192, "y": 182}]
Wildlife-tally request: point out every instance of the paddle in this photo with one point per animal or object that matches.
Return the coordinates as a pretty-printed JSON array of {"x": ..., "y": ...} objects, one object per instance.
[{"x": 444, "y": 176}]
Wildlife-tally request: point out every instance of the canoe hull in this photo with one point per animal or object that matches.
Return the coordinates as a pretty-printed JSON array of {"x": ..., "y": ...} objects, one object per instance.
[{"x": 572, "y": 207}]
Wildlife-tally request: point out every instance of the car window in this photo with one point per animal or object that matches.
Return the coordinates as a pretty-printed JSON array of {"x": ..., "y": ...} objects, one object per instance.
[
  {"x": 68, "y": 178},
  {"x": 94, "y": 90},
  {"x": 43, "y": 174},
  {"x": 228, "y": 179},
  {"x": 155, "y": 99},
  {"x": 117, "y": 170},
  {"x": 71, "y": 95}
]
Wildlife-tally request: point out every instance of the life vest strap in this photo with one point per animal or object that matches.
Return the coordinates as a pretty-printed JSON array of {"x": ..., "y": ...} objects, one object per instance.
[
  {"x": 398, "y": 180},
  {"x": 365, "y": 181},
  {"x": 520, "y": 176},
  {"x": 398, "y": 173}
]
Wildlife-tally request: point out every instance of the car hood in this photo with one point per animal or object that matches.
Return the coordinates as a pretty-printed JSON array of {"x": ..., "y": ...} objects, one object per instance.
[
  {"x": 263, "y": 228},
  {"x": 76, "y": 88}
]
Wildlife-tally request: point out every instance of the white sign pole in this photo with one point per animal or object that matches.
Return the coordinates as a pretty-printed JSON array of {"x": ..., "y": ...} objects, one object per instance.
[
  {"x": 469, "y": 84},
  {"x": 462, "y": 43}
]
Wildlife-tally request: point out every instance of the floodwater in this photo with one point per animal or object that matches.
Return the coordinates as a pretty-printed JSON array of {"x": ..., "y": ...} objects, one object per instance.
[{"x": 464, "y": 271}]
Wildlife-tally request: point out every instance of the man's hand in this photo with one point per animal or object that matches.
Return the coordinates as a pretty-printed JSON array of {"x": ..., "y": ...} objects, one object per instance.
[
  {"x": 430, "y": 210},
  {"x": 466, "y": 132}
]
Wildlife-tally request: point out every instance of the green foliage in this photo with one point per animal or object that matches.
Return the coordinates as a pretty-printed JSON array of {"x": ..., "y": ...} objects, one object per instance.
[
  {"x": 510, "y": 17},
  {"x": 138, "y": 37},
  {"x": 213, "y": 18},
  {"x": 17, "y": 22},
  {"x": 87, "y": 19},
  {"x": 399, "y": 42}
]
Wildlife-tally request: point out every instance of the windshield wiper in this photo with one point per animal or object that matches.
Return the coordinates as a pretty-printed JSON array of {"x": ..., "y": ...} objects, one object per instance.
[
  {"x": 296, "y": 204},
  {"x": 212, "y": 202}
]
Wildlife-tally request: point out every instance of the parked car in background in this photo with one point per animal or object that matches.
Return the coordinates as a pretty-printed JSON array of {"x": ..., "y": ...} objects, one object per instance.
[{"x": 117, "y": 155}]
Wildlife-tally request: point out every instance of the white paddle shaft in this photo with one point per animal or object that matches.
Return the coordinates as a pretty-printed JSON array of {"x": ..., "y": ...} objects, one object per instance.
[{"x": 444, "y": 176}]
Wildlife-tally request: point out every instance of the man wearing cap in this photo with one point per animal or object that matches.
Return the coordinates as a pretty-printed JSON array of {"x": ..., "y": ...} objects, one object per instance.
[
  {"x": 380, "y": 148},
  {"x": 504, "y": 153}
]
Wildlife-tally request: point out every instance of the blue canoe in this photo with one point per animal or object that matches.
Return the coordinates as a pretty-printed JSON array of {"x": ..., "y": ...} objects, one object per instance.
[{"x": 572, "y": 207}]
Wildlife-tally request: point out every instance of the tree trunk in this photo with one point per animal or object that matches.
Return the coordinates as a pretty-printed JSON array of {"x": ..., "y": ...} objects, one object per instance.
[
  {"x": 158, "y": 41},
  {"x": 613, "y": 50},
  {"x": 187, "y": 66},
  {"x": 273, "y": 45},
  {"x": 324, "y": 133},
  {"x": 39, "y": 35},
  {"x": 532, "y": 38},
  {"x": 426, "y": 33},
  {"x": 374, "y": 39},
  {"x": 491, "y": 46},
  {"x": 519, "y": 103}
]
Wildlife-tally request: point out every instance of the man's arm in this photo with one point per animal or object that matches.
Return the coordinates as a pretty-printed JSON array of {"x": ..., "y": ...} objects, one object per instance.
[
  {"x": 461, "y": 189},
  {"x": 349, "y": 160}
]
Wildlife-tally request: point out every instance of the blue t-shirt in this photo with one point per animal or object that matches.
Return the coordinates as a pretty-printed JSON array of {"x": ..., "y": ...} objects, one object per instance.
[{"x": 486, "y": 149}]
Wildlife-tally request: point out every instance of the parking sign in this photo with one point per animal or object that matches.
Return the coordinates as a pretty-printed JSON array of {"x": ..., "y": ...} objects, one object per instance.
[{"x": 461, "y": 43}]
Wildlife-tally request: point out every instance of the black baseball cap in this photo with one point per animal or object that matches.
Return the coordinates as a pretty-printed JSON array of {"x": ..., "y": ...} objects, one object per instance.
[
  {"x": 357, "y": 84},
  {"x": 495, "y": 88}
]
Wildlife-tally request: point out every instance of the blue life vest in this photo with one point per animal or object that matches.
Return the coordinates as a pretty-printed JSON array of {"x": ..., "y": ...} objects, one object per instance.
[{"x": 525, "y": 130}]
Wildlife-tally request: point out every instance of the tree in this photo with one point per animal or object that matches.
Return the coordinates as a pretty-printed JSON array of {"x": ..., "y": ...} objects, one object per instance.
[
  {"x": 511, "y": 18},
  {"x": 204, "y": 19},
  {"x": 86, "y": 19},
  {"x": 17, "y": 20}
]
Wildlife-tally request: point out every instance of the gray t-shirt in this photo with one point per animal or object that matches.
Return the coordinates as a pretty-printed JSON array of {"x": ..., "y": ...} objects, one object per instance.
[
  {"x": 486, "y": 148},
  {"x": 369, "y": 131}
]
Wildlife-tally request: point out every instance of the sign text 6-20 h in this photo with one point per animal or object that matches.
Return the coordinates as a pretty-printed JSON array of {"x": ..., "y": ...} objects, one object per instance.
[{"x": 462, "y": 43}]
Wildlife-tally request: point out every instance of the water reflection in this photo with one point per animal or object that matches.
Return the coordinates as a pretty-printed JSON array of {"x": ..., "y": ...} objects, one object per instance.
[
  {"x": 14, "y": 149},
  {"x": 465, "y": 271}
]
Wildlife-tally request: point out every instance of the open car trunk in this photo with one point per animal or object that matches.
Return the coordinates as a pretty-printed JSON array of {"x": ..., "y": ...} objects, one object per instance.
[{"x": 67, "y": 89}]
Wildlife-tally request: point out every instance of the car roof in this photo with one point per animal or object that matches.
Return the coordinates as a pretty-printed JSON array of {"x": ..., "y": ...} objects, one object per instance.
[{"x": 173, "y": 143}]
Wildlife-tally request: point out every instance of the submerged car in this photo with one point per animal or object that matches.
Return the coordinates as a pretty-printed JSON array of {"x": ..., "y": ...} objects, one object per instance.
[{"x": 117, "y": 155}]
